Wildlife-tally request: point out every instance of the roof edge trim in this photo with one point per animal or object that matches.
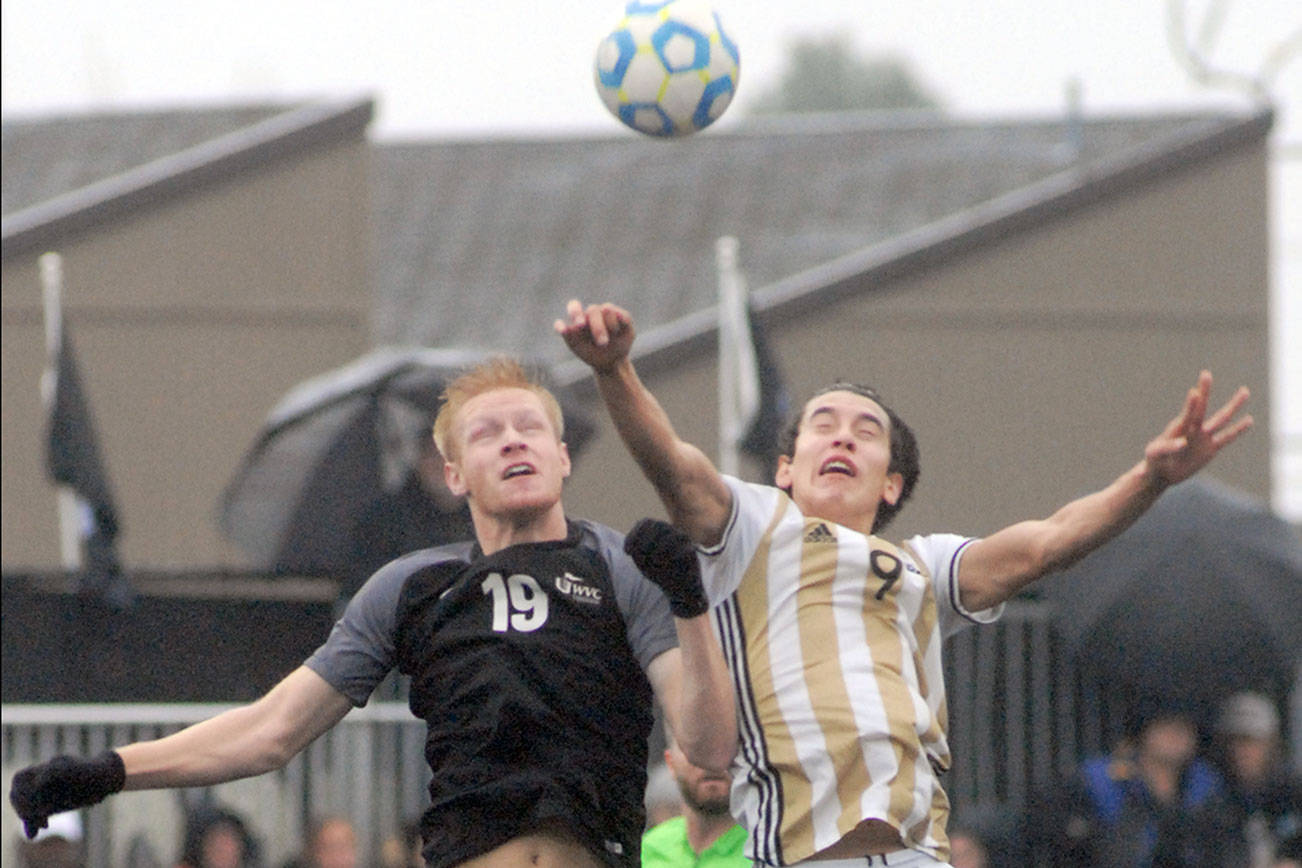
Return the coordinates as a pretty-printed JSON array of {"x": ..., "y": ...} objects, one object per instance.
[
  {"x": 178, "y": 173},
  {"x": 940, "y": 241}
]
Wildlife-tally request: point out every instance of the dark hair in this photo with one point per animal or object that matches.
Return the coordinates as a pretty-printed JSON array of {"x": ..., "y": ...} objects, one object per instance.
[
  {"x": 905, "y": 458},
  {"x": 202, "y": 821}
]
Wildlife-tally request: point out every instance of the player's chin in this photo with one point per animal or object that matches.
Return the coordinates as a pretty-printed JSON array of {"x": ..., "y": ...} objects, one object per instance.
[{"x": 531, "y": 498}]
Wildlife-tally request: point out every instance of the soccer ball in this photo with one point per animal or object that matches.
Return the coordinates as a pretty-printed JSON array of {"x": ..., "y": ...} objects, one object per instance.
[{"x": 667, "y": 69}]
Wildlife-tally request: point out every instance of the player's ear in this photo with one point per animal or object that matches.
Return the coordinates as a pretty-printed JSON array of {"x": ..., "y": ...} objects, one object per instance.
[
  {"x": 452, "y": 476},
  {"x": 565, "y": 460},
  {"x": 893, "y": 488},
  {"x": 782, "y": 475}
]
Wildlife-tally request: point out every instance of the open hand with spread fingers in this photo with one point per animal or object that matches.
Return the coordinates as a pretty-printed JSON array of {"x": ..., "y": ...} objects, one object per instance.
[{"x": 1193, "y": 438}]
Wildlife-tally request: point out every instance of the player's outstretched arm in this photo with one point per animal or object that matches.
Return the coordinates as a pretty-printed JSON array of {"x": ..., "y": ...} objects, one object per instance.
[
  {"x": 693, "y": 492},
  {"x": 691, "y": 682},
  {"x": 242, "y": 742},
  {"x": 997, "y": 567}
]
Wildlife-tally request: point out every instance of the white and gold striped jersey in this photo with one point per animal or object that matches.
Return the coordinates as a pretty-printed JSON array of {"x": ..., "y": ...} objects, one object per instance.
[{"x": 833, "y": 639}]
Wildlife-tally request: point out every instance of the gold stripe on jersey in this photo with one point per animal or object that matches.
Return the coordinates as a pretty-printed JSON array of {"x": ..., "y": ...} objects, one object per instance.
[
  {"x": 833, "y": 711},
  {"x": 934, "y": 824},
  {"x": 925, "y": 627},
  {"x": 880, "y": 620}
]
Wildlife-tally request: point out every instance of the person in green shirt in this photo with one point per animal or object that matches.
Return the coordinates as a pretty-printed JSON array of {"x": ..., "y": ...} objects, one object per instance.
[{"x": 705, "y": 834}]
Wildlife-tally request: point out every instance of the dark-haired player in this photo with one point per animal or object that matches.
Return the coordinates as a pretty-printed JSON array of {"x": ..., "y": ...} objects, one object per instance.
[{"x": 833, "y": 635}]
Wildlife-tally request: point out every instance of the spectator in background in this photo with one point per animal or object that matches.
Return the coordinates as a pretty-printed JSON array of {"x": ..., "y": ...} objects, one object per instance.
[
  {"x": 58, "y": 845},
  {"x": 403, "y": 850},
  {"x": 1152, "y": 803},
  {"x": 1264, "y": 798},
  {"x": 421, "y": 514},
  {"x": 967, "y": 847},
  {"x": 986, "y": 837},
  {"x": 331, "y": 843},
  {"x": 704, "y": 835},
  {"x": 218, "y": 838},
  {"x": 663, "y": 801}
]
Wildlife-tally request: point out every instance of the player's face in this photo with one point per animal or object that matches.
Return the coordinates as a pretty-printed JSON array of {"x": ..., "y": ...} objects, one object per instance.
[
  {"x": 510, "y": 463},
  {"x": 839, "y": 467}
]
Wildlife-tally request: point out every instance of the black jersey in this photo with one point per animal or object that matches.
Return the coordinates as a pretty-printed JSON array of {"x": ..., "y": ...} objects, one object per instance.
[{"x": 527, "y": 667}]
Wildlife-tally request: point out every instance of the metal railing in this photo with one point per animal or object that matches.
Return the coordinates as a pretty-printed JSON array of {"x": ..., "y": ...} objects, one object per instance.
[
  {"x": 370, "y": 768},
  {"x": 1020, "y": 717}
]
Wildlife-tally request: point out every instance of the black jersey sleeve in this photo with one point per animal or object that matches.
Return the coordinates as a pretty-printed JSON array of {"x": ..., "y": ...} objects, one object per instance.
[
  {"x": 360, "y": 650},
  {"x": 647, "y": 619}
]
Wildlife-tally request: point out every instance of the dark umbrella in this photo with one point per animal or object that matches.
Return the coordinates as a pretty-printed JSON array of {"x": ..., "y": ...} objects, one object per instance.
[
  {"x": 335, "y": 443},
  {"x": 1200, "y": 598}
]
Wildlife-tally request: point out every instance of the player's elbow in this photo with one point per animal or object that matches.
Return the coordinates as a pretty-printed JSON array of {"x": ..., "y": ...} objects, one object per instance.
[
  {"x": 712, "y": 752},
  {"x": 273, "y": 740},
  {"x": 271, "y": 749}
]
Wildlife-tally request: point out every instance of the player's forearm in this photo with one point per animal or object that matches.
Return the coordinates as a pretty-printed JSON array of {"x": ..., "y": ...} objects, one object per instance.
[
  {"x": 1088, "y": 522},
  {"x": 235, "y": 744},
  {"x": 707, "y": 722},
  {"x": 688, "y": 484},
  {"x": 1004, "y": 563},
  {"x": 242, "y": 742},
  {"x": 641, "y": 422}
]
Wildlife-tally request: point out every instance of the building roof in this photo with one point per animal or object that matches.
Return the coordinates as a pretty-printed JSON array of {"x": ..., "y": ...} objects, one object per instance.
[
  {"x": 480, "y": 243},
  {"x": 63, "y": 175},
  {"x": 46, "y": 158}
]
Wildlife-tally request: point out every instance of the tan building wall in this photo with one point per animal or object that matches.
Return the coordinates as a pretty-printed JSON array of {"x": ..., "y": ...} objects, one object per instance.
[
  {"x": 1034, "y": 369},
  {"x": 191, "y": 318}
]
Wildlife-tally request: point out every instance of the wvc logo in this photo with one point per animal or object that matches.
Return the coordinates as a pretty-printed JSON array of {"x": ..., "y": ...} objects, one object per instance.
[{"x": 577, "y": 589}]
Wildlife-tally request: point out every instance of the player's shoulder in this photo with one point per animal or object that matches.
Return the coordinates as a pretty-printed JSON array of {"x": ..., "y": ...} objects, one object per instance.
[
  {"x": 934, "y": 546},
  {"x": 752, "y": 493},
  {"x": 608, "y": 545},
  {"x": 753, "y": 507},
  {"x": 390, "y": 580},
  {"x": 593, "y": 533},
  {"x": 604, "y": 540},
  {"x": 403, "y": 568}
]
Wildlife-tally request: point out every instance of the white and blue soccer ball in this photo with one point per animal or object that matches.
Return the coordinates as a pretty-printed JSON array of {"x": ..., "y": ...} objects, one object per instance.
[{"x": 667, "y": 69}]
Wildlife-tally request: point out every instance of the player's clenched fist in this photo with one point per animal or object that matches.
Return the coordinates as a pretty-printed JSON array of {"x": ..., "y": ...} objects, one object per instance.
[
  {"x": 63, "y": 784},
  {"x": 666, "y": 556}
]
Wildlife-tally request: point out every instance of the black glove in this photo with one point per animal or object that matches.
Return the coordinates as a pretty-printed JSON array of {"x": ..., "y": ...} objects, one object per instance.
[
  {"x": 63, "y": 784},
  {"x": 665, "y": 555}
]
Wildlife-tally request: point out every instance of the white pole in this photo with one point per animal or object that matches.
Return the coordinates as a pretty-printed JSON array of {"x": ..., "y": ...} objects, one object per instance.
[
  {"x": 51, "y": 265},
  {"x": 738, "y": 379}
]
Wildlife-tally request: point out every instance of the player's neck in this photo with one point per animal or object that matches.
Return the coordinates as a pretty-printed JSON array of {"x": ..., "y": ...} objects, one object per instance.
[
  {"x": 496, "y": 532},
  {"x": 838, "y": 512}
]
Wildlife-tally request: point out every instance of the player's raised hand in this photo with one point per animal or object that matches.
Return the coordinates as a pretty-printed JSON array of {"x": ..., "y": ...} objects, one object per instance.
[
  {"x": 1193, "y": 438},
  {"x": 600, "y": 334}
]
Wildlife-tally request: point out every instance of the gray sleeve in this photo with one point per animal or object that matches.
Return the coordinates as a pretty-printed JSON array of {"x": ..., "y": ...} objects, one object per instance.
[
  {"x": 647, "y": 619},
  {"x": 359, "y": 652}
]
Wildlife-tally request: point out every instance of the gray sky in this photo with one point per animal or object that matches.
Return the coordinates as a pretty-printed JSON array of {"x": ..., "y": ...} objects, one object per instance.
[
  {"x": 469, "y": 68},
  {"x": 524, "y": 67}
]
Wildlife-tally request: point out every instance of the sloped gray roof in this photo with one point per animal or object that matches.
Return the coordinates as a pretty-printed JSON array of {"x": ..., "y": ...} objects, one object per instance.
[
  {"x": 480, "y": 243},
  {"x": 47, "y": 157},
  {"x": 66, "y": 175}
]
